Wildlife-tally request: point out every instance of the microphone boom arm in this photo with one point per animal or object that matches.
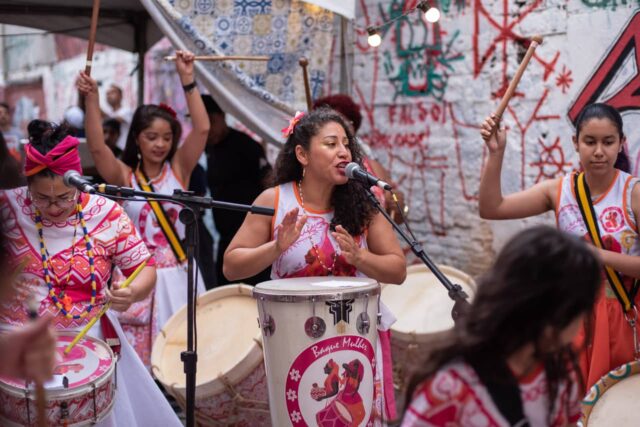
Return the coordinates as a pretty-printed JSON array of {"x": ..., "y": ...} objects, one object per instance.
[{"x": 455, "y": 291}]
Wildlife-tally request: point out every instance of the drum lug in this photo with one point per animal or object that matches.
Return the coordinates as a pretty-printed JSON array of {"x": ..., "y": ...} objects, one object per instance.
[
  {"x": 268, "y": 325},
  {"x": 315, "y": 327},
  {"x": 363, "y": 324}
]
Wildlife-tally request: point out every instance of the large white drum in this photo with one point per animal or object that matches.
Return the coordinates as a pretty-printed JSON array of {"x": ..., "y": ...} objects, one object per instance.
[
  {"x": 320, "y": 336},
  {"x": 612, "y": 401},
  {"x": 231, "y": 387},
  {"x": 81, "y": 392},
  {"x": 423, "y": 309}
]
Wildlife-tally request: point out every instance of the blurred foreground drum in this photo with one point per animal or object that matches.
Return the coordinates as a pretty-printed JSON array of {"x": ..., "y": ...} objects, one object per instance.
[
  {"x": 612, "y": 401},
  {"x": 231, "y": 385},
  {"x": 320, "y": 336},
  {"x": 423, "y": 309},
  {"x": 81, "y": 392}
]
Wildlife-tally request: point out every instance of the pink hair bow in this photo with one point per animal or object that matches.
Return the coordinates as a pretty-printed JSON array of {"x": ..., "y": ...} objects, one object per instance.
[{"x": 286, "y": 132}]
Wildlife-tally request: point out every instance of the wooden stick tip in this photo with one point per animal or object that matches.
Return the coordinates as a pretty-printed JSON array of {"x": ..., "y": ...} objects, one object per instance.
[
  {"x": 537, "y": 38},
  {"x": 303, "y": 61}
]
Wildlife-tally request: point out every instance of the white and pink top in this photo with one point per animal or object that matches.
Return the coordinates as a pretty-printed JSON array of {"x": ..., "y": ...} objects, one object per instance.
[
  {"x": 616, "y": 220},
  {"x": 301, "y": 258},
  {"x": 455, "y": 396},
  {"x": 114, "y": 238},
  {"x": 145, "y": 220}
]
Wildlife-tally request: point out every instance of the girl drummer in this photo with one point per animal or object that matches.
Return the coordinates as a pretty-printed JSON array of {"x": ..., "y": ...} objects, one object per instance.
[
  {"x": 66, "y": 243},
  {"x": 324, "y": 225},
  {"x": 153, "y": 161},
  {"x": 510, "y": 361},
  {"x": 615, "y": 198}
]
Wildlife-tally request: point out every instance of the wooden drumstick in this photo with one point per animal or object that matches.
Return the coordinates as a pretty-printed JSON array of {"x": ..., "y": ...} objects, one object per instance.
[
  {"x": 511, "y": 89},
  {"x": 222, "y": 58},
  {"x": 92, "y": 36},
  {"x": 304, "y": 62},
  {"x": 106, "y": 307}
]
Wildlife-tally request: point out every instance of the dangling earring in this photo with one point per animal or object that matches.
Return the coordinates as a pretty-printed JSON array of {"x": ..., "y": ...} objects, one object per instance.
[{"x": 304, "y": 170}]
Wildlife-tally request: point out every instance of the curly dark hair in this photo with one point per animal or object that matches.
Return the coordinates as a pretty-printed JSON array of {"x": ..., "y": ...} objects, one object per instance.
[
  {"x": 541, "y": 278},
  {"x": 44, "y": 136},
  {"x": 351, "y": 207},
  {"x": 142, "y": 119},
  {"x": 343, "y": 104}
]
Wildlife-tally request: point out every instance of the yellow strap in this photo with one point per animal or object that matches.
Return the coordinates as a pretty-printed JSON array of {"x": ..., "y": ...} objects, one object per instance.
[
  {"x": 174, "y": 241},
  {"x": 612, "y": 275}
]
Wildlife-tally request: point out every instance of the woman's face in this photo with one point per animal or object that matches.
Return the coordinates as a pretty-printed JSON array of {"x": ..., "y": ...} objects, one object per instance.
[
  {"x": 155, "y": 141},
  {"x": 598, "y": 145},
  {"x": 54, "y": 200},
  {"x": 328, "y": 154}
]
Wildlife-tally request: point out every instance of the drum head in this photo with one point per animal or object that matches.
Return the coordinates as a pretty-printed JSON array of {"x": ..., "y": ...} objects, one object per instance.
[
  {"x": 612, "y": 400},
  {"x": 228, "y": 340},
  {"x": 421, "y": 303},
  {"x": 89, "y": 362},
  {"x": 320, "y": 288}
]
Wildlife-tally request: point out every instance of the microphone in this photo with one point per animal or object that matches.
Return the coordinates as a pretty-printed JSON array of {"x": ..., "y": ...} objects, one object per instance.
[
  {"x": 73, "y": 178},
  {"x": 354, "y": 171}
]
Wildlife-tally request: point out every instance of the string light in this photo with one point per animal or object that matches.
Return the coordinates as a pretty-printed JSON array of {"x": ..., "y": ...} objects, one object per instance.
[
  {"x": 431, "y": 14},
  {"x": 374, "y": 38}
]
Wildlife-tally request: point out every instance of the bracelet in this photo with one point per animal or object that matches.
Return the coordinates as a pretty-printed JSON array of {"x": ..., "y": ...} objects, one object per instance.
[{"x": 190, "y": 87}]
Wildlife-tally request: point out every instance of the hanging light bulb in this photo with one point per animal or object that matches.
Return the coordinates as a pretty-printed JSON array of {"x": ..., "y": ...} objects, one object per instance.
[
  {"x": 432, "y": 15},
  {"x": 374, "y": 38}
]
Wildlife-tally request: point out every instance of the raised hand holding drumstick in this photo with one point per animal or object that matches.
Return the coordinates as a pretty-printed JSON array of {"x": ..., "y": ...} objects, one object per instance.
[{"x": 511, "y": 90}]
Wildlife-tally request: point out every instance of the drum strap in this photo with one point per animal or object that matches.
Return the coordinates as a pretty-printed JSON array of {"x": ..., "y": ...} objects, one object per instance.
[
  {"x": 505, "y": 392},
  {"x": 110, "y": 335},
  {"x": 626, "y": 298},
  {"x": 166, "y": 226}
]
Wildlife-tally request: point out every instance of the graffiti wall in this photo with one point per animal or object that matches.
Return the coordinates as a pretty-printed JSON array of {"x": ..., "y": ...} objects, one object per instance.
[{"x": 427, "y": 87}]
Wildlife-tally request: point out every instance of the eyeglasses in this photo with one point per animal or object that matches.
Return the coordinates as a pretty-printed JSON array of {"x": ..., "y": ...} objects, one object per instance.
[{"x": 45, "y": 202}]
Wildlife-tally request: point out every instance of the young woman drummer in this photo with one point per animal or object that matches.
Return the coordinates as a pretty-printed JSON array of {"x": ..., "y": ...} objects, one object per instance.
[
  {"x": 510, "y": 360},
  {"x": 611, "y": 199},
  {"x": 65, "y": 243},
  {"x": 324, "y": 224},
  {"x": 153, "y": 160}
]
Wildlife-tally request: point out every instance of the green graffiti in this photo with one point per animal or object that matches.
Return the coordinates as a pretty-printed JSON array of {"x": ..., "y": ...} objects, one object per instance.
[
  {"x": 421, "y": 63},
  {"x": 445, "y": 5},
  {"x": 606, "y": 4}
]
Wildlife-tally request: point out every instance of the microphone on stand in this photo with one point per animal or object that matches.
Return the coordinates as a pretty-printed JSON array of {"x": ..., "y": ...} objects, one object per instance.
[
  {"x": 355, "y": 172},
  {"x": 73, "y": 178}
]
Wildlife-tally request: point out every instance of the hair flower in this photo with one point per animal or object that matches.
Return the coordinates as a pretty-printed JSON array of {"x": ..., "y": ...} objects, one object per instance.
[
  {"x": 168, "y": 109},
  {"x": 286, "y": 132}
]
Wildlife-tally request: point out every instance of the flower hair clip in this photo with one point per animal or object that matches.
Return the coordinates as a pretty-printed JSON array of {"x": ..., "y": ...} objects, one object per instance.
[
  {"x": 168, "y": 109},
  {"x": 286, "y": 132}
]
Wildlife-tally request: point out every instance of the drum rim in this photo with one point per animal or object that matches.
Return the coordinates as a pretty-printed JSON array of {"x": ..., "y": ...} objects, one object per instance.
[
  {"x": 68, "y": 393},
  {"x": 606, "y": 382},
  {"x": 369, "y": 287},
  {"x": 106, "y": 412},
  {"x": 246, "y": 362},
  {"x": 406, "y": 336}
]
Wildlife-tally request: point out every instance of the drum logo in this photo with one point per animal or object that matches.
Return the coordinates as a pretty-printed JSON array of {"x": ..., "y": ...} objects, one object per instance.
[{"x": 331, "y": 383}]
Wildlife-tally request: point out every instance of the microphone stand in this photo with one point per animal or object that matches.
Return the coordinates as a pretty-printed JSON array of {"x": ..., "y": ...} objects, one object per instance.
[
  {"x": 192, "y": 207},
  {"x": 455, "y": 291}
]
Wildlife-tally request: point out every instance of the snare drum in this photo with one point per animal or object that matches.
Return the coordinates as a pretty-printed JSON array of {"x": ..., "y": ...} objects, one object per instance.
[
  {"x": 612, "y": 401},
  {"x": 423, "y": 309},
  {"x": 320, "y": 336},
  {"x": 81, "y": 392},
  {"x": 231, "y": 384}
]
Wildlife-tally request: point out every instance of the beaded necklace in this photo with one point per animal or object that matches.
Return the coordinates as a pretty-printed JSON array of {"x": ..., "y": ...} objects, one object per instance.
[
  {"x": 313, "y": 245},
  {"x": 62, "y": 301}
]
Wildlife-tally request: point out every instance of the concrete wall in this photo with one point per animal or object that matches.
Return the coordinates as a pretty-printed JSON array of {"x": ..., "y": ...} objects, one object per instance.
[{"x": 425, "y": 90}]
